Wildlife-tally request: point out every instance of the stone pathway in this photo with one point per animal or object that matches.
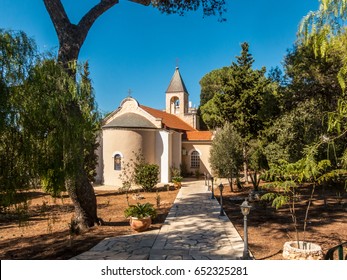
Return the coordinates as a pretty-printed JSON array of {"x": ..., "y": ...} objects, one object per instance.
[{"x": 193, "y": 230}]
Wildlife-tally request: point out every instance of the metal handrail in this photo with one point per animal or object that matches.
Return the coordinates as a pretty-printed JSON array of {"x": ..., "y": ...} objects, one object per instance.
[{"x": 330, "y": 254}]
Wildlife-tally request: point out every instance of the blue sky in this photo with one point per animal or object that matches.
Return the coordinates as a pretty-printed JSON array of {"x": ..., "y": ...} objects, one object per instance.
[{"x": 136, "y": 47}]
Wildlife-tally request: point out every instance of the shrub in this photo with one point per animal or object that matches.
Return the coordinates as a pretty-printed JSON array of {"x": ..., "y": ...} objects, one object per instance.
[{"x": 146, "y": 175}]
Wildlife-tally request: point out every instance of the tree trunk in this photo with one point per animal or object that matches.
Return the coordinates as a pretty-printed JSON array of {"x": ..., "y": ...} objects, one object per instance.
[
  {"x": 245, "y": 163},
  {"x": 78, "y": 184},
  {"x": 83, "y": 198}
]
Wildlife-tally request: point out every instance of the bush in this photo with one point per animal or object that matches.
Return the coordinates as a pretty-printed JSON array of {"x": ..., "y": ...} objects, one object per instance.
[{"x": 146, "y": 175}]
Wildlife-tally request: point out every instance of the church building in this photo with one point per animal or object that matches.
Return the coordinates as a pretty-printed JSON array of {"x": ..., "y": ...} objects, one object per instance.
[{"x": 170, "y": 138}]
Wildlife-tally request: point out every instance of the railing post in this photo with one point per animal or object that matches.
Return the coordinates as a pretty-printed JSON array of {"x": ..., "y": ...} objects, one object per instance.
[{"x": 340, "y": 252}]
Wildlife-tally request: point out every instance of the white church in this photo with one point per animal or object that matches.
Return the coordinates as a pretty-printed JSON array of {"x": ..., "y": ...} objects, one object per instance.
[{"x": 170, "y": 138}]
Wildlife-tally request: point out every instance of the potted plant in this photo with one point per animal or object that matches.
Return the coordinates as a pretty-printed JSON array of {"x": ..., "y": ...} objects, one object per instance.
[{"x": 140, "y": 216}]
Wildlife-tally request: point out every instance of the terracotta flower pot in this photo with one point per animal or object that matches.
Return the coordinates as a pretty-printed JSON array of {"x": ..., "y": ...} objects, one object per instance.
[
  {"x": 140, "y": 224},
  {"x": 306, "y": 251}
]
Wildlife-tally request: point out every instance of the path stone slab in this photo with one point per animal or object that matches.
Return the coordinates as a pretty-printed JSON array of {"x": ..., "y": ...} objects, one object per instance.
[{"x": 193, "y": 230}]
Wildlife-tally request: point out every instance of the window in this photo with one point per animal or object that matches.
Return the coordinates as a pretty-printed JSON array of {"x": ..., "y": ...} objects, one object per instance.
[
  {"x": 117, "y": 162},
  {"x": 195, "y": 159}
]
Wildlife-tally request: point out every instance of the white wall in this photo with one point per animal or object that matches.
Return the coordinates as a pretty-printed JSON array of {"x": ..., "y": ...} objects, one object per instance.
[{"x": 163, "y": 154}]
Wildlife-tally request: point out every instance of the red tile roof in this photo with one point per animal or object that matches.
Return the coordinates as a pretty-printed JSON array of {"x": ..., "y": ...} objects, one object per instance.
[
  {"x": 169, "y": 120},
  {"x": 199, "y": 135},
  {"x": 174, "y": 122}
]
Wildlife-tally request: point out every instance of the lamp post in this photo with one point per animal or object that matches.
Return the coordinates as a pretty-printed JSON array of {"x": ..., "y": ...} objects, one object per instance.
[
  {"x": 208, "y": 181},
  {"x": 212, "y": 197},
  {"x": 245, "y": 209},
  {"x": 221, "y": 187}
]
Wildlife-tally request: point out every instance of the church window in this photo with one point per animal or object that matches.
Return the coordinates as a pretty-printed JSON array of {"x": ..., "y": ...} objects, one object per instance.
[
  {"x": 195, "y": 159},
  {"x": 117, "y": 162}
]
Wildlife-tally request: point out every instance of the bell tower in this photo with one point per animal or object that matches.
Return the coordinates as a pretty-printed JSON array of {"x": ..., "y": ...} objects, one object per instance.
[
  {"x": 177, "y": 96},
  {"x": 177, "y": 100}
]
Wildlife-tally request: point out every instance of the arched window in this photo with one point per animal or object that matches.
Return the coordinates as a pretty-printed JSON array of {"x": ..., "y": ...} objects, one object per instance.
[
  {"x": 174, "y": 105},
  {"x": 117, "y": 162},
  {"x": 195, "y": 159}
]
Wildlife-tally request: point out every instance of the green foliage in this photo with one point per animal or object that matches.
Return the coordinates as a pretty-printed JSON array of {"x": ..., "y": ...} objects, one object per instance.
[
  {"x": 53, "y": 182},
  {"x": 49, "y": 120},
  {"x": 177, "y": 179},
  {"x": 137, "y": 171},
  {"x": 256, "y": 161},
  {"x": 288, "y": 177},
  {"x": 226, "y": 152},
  {"x": 212, "y": 83},
  {"x": 326, "y": 28},
  {"x": 208, "y": 7},
  {"x": 289, "y": 134},
  {"x": 325, "y": 23},
  {"x": 235, "y": 94},
  {"x": 62, "y": 121},
  {"x": 140, "y": 211},
  {"x": 312, "y": 77},
  {"x": 17, "y": 55},
  {"x": 146, "y": 175}
]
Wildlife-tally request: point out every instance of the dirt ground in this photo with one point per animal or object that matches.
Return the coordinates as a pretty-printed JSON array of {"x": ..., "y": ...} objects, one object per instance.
[
  {"x": 43, "y": 233},
  {"x": 40, "y": 229},
  {"x": 269, "y": 229}
]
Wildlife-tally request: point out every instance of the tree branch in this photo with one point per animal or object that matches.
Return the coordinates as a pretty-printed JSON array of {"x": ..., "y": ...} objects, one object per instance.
[
  {"x": 58, "y": 16},
  {"x": 89, "y": 18}
]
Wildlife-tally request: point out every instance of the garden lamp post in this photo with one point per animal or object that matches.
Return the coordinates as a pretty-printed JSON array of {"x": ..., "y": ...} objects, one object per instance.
[
  {"x": 208, "y": 181},
  {"x": 221, "y": 187},
  {"x": 212, "y": 197},
  {"x": 245, "y": 209}
]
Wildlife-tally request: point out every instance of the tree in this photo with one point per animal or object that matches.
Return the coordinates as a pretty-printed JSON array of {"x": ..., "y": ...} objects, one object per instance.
[
  {"x": 17, "y": 55},
  {"x": 62, "y": 136},
  {"x": 237, "y": 92},
  {"x": 311, "y": 77},
  {"x": 288, "y": 177},
  {"x": 257, "y": 161},
  {"x": 226, "y": 153},
  {"x": 326, "y": 27},
  {"x": 71, "y": 38},
  {"x": 212, "y": 83}
]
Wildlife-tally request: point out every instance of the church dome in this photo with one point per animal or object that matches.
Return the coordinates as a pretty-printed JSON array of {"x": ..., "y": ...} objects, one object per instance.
[{"x": 130, "y": 120}]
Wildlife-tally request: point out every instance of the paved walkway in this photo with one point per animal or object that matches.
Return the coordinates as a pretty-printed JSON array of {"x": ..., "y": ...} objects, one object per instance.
[{"x": 193, "y": 230}]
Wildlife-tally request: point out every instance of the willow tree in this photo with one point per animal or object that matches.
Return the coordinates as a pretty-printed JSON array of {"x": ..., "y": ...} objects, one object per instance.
[
  {"x": 71, "y": 37},
  {"x": 18, "y": 54},
  {"x": 326, "y": 28}
]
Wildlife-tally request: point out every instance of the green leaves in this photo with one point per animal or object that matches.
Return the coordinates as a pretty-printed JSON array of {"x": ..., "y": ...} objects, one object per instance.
[
  {"x": 49, "y": 122},
  {"x": 146, "y": 175},
  {"x": 235, "y": 94},
  {"x": 226, "y": 152},
  {"x": 140, "y": 211}
]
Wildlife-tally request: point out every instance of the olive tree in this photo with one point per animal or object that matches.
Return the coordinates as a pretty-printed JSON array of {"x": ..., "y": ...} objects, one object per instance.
[{"x": 226, "y": 153}]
